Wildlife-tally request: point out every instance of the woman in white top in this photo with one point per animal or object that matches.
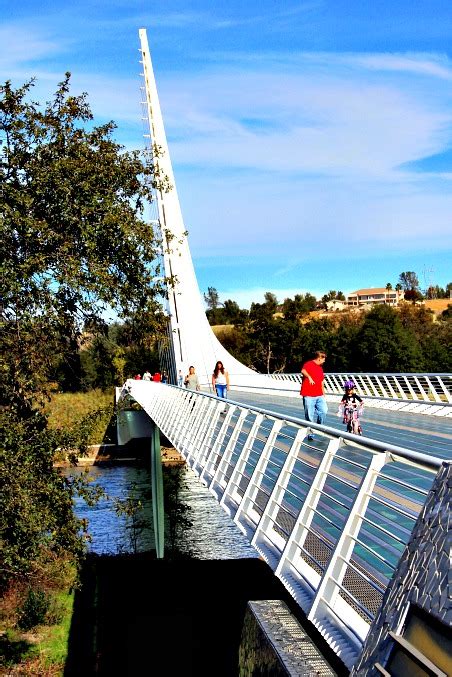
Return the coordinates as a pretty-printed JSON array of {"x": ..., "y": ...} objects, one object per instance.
[{"x": 220, "y": 380}]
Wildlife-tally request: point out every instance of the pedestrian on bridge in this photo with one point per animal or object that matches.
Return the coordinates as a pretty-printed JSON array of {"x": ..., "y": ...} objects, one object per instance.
[
  {"x": 192, "y": 380},
  {"x": 220, "y": 380},
  {"x": 314, "y": 402}
]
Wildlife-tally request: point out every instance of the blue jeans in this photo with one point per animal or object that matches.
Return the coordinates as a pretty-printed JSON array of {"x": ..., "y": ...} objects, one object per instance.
[
  {"x": 315, "y": 409},
  {"x": 221, "y": 390}
]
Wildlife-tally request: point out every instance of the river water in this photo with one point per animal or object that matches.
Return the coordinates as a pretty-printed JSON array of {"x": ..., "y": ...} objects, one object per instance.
[{"x": 211, "y": 535}]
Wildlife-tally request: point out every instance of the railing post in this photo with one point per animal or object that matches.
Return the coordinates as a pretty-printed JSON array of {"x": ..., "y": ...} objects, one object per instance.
[
  {"x": 272, "y": 507},
  {"x": 226, "y": 457},
  {"x": 333, "y": 575},
  {"x": 199, "y": 428},
  {"x": 212, "y": 423},
  {"x": 307, "y": 512},
  {"x": 252, "y": 488},
  {"x": 215, "y": 447},
  {"x": 409, "y": 386},
  {"x": 247, "y": 447},
  {"x": 181, "y": 417},
  {"x": 421, "y": 389}
]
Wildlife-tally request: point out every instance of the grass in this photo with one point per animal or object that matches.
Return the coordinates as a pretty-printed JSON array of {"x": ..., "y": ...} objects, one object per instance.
[
  {"x": 67, "y": 409},
  {"x": 43, "y": 650},
  {"x": 53, "y": 646}
]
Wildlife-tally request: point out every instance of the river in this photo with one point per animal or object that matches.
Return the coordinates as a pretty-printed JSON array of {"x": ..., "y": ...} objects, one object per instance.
[{"x": 211, "y": 535}]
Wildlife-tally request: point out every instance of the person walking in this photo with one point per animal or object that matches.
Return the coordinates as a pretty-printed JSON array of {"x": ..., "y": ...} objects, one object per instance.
[
  {"x": 147, "y": 376},
  {"x": 314, "y": 402},
  {"x": 180, "y": 379},
  {"x": 192, "y": 380},
  {"x": 220, "y": 380}
]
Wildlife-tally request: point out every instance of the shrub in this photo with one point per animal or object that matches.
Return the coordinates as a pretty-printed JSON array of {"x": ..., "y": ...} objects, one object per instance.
[{"x": 34, "y": 609}]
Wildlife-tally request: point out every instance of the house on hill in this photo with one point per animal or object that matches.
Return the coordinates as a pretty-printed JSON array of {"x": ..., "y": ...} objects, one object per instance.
[{"x": 374, "y": 296}]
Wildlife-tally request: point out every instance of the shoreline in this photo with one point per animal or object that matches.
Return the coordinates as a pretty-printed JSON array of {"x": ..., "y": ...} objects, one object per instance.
[{"x": 113, "y": 454}]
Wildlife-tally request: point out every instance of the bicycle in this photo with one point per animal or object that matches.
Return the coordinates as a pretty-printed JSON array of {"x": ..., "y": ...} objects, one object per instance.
[{"x": 351, "y": 418}]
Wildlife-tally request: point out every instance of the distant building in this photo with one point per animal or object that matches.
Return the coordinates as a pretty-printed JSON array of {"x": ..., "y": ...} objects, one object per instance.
[
  {"x": 336, "y": 305},
  {"x": 374, "y": 296}
]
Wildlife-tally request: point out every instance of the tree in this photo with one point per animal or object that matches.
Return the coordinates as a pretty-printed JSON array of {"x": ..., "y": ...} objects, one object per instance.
[
  {"x": 447, "y": 314},
  {"x": 271, "y": 302},
  {"x": 74, "y": 245},
  {"x": 212, "y": 298},
  {"x": 294, "y": 309},
  {"x": 388, "y": 289},
  {"x": 332, "y": 295},
  {"x": 383, "y": 344},
  {"x": 409, "y": 280}
]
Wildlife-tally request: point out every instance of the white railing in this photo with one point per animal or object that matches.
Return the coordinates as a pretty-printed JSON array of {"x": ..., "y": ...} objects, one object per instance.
[
  {"x": 433, "y": 388},
  {"x": 331, "y": 516},
  {"x": 417, "y": 393}
]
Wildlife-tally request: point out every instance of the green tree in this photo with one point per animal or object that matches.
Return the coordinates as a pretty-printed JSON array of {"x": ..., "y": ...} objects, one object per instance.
[
  {"x": 300, "y": 305},
  {"x": 409, "y": 280},
  {"x": 383, "y": 344},
  {"x": 332, "y": 295},
  {"x": 388, "y": 290},
  {"x": 74, "y": 245},
  {"x": 212, "y": 298},
  {"x": 447, "y": 314},
  {"x": 266, "y": 335}
]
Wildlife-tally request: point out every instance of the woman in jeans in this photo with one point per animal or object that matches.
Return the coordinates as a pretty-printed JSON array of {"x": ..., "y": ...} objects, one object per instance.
[{"x": 220, "y": 380}]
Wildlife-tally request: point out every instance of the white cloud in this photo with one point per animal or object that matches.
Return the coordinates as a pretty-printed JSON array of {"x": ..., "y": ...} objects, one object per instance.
[
  {"x": 299, "y": 154},
  {"x": 430, "y": 65},
  {"x": 305, "y": 122}
]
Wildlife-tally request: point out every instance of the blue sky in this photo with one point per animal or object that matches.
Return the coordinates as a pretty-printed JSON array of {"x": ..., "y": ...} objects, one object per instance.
[{"x": 311, "y": 141}]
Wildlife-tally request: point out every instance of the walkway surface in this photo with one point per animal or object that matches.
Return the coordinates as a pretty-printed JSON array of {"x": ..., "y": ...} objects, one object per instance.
[{"x": 419, "y": 432}]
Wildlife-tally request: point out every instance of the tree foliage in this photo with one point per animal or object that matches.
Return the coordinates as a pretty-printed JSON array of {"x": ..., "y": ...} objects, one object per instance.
[
  {"x": 74, "y": 246},
  {"x": 382, "y": 339},
  {"x": 212, "y": 298}
]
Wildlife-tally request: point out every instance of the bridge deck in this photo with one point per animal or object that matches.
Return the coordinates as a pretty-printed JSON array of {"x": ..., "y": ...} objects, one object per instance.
[{"x": 419, "y": 432}]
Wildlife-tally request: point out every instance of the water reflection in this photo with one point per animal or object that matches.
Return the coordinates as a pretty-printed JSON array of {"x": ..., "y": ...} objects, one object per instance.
[
  {"x": 111, "y": 532},
  {"x": 212, "y": 534}
]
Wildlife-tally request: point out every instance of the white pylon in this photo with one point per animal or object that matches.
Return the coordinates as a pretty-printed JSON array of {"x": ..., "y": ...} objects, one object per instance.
[{"x": 193, "y": 339}]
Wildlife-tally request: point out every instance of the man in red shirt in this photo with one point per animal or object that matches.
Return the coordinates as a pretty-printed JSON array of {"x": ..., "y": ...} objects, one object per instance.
[{"x": 315, "y": 406}]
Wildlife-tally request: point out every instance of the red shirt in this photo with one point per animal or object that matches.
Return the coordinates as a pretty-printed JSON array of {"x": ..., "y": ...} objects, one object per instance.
[
  {"x": 315, "y": 371},
  {"x": 157, "y": 377}
]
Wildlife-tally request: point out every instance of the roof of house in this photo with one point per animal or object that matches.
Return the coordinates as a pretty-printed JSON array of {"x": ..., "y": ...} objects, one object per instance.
[{"x": 371, "y": 291}]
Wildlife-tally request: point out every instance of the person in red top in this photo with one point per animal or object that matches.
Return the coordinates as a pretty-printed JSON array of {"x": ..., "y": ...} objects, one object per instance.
[
  {"x": 314, "y": 402},
  {"x": 157, "y": 377}
]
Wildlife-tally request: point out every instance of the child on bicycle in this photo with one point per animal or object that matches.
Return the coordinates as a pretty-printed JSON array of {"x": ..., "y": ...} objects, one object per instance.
[{"x": 351, "y": 408}]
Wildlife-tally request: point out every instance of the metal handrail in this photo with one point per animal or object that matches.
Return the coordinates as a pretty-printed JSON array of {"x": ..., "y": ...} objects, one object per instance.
[
  {"x": 315, "y": 549},
  {"x": 413, "y": 387}
]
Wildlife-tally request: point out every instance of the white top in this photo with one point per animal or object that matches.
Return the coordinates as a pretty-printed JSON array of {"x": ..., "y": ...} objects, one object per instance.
[{"x": 220, "y": 379}]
